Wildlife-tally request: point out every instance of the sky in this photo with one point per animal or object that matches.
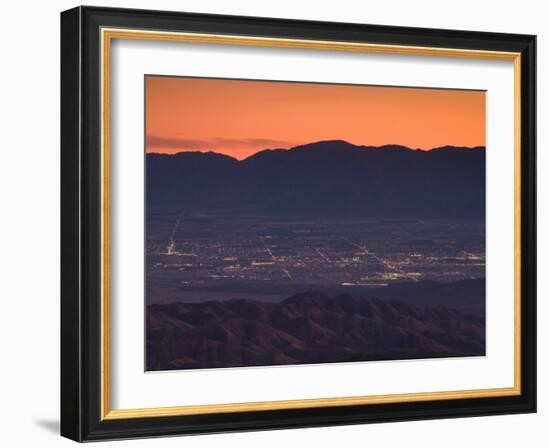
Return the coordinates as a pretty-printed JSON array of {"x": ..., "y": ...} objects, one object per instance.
[{"x": 240, "y": 117}]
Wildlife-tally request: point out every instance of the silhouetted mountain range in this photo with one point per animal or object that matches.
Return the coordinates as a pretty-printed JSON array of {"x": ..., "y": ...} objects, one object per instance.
[
  {"x": 325, "y": 179},
  {"x": 309, "y": 327}
]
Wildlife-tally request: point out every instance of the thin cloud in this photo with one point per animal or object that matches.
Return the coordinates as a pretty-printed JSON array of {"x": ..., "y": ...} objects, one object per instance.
[
  {"x": 154, "y": 141},
  {"x": 175, "y": 143}
]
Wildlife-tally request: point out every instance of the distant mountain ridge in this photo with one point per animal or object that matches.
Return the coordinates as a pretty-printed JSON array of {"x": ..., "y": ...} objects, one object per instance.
[
  {"x": 309, "y": 327},
  {"x": 342, "y": 145},
  {"x": 323, "y": 179}
]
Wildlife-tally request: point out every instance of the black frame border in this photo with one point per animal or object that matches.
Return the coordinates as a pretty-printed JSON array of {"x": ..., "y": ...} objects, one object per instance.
[{"x": 81, "y": 223}]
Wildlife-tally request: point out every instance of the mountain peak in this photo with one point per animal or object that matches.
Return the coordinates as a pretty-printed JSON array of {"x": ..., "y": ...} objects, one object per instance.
[
  {"x": 324, "y": 144},
  {"x": 209, "y": 155},
  {"x": 265, "y": 153}
]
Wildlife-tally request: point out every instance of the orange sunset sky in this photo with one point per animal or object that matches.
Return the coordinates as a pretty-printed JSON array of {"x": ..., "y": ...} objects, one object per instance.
[{"x": 239, "y": 118}]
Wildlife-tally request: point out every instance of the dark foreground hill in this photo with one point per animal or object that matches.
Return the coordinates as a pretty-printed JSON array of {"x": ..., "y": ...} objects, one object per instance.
[
  {"x": 330, "y": 179},
  {"x": 309, "y": 327}
]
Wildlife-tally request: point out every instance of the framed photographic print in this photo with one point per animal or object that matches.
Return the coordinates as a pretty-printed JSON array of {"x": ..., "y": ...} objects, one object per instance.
[{"x": 274, "y": 223}]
